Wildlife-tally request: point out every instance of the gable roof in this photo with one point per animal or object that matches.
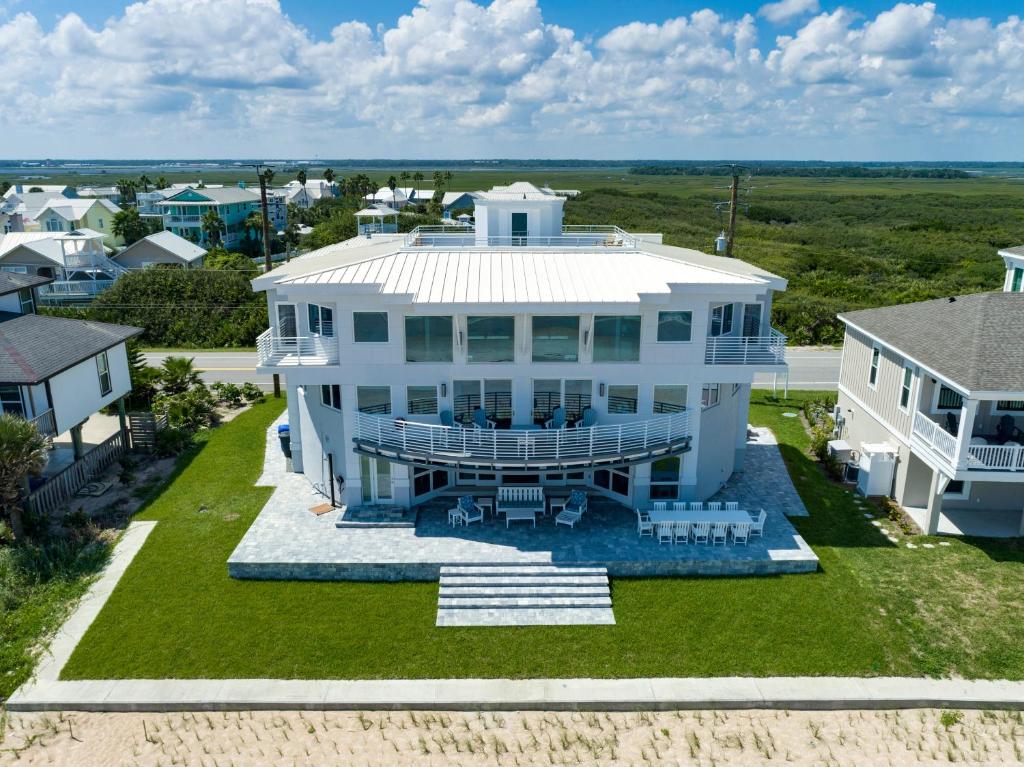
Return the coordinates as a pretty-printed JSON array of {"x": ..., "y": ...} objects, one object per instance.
[
  {"x": 72, "y": 209},
  {"x": 12, "y": 282},
  {"x": 34, "y": 348},
  {"x": 225, "y": 195},
  {"x": 974, "y": 340},
  {"x": 171, "y": 243},
  {"x": 520, "y": 190}
]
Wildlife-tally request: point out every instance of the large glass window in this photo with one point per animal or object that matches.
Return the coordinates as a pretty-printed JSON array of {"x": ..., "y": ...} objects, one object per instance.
[
  {"x": 622, "y": 399},
  {"x": 669, "y": 399},
  {"x": 103, "y": 369},
  {"x": 721, "y": 320},
  {"x": 427, "y": 480},
  {"x": 321, "y": 320},
  {"x": 674, "y": 327},
  {"x": 10, "y": 400},
  {"x": 556, "y": 339},
  {"x": 520, "y": 230},
  {"x": 498, "y": 401},
  {"x": 709, "y": 395},
  {"x": 422, "y": 400},
  {"x": 428, "y": 339},
  {"x": 370, "y": 327},
  {"x": 616, "y": 338},
  {"x": 949, "y": 399},
  {"x": 466, "y": 399},
  {"x": 374, "y": 399},
  {"x": 491, "y": 339},
  {"x": 665, "y": 478},
  {"x": 577, "y": 398},
  {"x": 616, "y": 480}
]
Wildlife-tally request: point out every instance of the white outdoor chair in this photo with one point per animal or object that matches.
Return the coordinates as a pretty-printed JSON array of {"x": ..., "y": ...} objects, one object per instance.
[
  {"x": 682, "y": 532},
  {"x": 715, "y": 506},
  {"x": 679, "y": 506},
  {"x": 644, "y": 525},
  {"x": 757, "y": 528},
  {"x": 696, "y": 506},
  {"x": 719, "y": 532},
  {"x": 701, "y": 532},
  {"x": 666, "y": 532},
  {"x": 732, "y": 505},
  {"x": 660, "y": 505},
  {"x": 741, "y": 532}
]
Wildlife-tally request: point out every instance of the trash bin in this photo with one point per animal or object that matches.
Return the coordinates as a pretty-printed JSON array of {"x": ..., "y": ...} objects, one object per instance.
[{"x": 284, "y": 434}]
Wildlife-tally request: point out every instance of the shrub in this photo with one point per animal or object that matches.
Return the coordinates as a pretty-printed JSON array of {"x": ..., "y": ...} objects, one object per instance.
[
  {"x": 252, "y": 392},
  {"x": 228, "y": 393},
  {"x": 172, "y": 441},
  {"x": 191, "y": 410}
]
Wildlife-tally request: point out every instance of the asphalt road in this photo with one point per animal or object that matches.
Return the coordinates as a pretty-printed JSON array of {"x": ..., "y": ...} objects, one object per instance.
[{"x": 809, "y": 368}]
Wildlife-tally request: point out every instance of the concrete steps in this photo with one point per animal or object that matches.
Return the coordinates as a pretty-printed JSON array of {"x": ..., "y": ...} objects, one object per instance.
[{"x": 524, "y": 595}]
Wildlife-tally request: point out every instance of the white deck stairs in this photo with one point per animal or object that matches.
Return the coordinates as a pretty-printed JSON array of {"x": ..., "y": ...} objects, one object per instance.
[{"x": 524, "y": 595}]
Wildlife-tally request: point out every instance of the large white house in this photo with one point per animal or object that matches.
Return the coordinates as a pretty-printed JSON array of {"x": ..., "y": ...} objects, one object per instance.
[
  {"x": 931, "y": 398},
  {"x": 521, "y": 352}
]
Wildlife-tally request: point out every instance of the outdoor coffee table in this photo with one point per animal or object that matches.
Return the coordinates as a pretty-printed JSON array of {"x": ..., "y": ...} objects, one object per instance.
[{"x": 515, "y": 514}]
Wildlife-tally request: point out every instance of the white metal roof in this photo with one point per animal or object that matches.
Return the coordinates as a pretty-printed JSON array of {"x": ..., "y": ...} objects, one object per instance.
[
  {"x": 520, "y": 190},
  {"x": 74, "y": 208},
  {"x": 521, "y": 276},
  {"x": 377, "y": 212}
]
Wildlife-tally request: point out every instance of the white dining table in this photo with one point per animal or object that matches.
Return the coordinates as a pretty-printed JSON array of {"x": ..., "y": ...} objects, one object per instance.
[{"x": 732, "y": 516}]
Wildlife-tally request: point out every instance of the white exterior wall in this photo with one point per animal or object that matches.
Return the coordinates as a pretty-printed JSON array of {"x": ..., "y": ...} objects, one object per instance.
[
  {"x": 543, "y": 217},
  {"x": 76, "y": 391}
]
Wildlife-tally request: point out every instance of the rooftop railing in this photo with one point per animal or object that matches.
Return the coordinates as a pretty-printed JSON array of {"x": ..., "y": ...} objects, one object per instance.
[
  {"x": 614, "y": 444},
  {"x": 746, "y": 350},
  {"x": 570, "y": 237}
]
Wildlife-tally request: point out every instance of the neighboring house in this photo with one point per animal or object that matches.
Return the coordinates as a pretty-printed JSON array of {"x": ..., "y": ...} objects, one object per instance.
[
  {"x": 183, "y": 212},
  {"x": 306, "y": 196},
  {"x": 934, "y": 392},
  {"x": 28, "y": 205},
  {"x": 147, "y": 203},
  {"x": 76, "y": 262},
  {"x": 277, "y": 209},
  {"x": 1014, "y": 259},
  {"x": 66, "y": 215},
  {"x": 11, "y": 218},
  {"x": 453, "y": 201},
  {"x": 384, "y": 195},
  {"x": 53, "y": 190},
  {"x": 109, "y": 193},
  {"x": 377, "y": 219},
  {"x": 161, "y": 248},
  {"x": 646, "y": 352},
  {"x": 55, "y": 371}
]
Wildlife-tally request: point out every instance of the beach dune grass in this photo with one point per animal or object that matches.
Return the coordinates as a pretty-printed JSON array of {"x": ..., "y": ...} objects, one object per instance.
[{"x": 874, "y": 608}]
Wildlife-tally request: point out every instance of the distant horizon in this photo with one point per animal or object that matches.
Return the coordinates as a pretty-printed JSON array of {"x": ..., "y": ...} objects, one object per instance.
[{"x": 12, "y": 164}]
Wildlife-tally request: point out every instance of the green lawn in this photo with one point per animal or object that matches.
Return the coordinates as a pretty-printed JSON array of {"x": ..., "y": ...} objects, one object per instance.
[{"x": 874, "y": 608}]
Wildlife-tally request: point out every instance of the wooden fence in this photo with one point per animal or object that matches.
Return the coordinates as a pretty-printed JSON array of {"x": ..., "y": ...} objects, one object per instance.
[
  {"x": 61, "y": 487},
  {"x": 144, "y": 427}
]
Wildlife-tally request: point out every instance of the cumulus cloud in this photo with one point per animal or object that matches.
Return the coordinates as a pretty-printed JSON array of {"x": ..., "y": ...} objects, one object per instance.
[
  {"x": 787, "y": 10},
  {"x": 237, "y": 77}
]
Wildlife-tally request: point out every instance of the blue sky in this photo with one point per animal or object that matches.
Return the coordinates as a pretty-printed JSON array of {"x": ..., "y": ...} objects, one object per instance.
[{"x": 790, "y": 79}]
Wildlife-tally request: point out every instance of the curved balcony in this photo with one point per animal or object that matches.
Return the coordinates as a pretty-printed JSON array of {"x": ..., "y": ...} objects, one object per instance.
[{"x": 622, "y": 444}]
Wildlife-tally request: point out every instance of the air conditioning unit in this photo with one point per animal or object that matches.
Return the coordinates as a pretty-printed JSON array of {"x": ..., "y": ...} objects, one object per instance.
[{"x": 840, "y": 450}]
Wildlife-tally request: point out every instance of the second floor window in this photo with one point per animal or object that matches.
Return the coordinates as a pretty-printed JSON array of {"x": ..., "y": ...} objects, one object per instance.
[
  {"x": 330, "y": 396},
  {"x": 908, "y": 382},
  {"x": 370, "y": 327},
  {"x": 721, "y": 320},
  {"x": 321, "y": 320},
  {"x": 622, "y": 399},
  {"x": 374, "y": 399},
  {"x": 422, "y": 400},
  {"x": 491, "y": 339},
  {"x": 876, "y": 355},
  {"x": 617, "y": 338},
  {"x": 669, "y": 399},
  {"x": 556, "y": 339},
  {"x": 103, "y": 370},
  {"x": 428, "y": 339},
  {"x": 674, "y": 327}
]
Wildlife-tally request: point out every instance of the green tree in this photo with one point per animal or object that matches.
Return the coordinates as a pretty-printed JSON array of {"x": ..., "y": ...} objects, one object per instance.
[
  {"x": 438, "y": 180},
  {"x": 404, "y": 176},
  {"x": 254, "y": 221},
  {"x": 126, "y": 188},
  {"x": 301, "y": 178},
  {"x": 129, "y": 225},
  {"x": 35, "y": 189},
  {"x": 392, "y": 183},
  {"x": 22, "y": 453},
  {"x": 417, "y": 177},
  {"x": 144, "y": 378},
  {"x": 328, "y": 175},
  {"x": 145, "y": 181},
  {"x": 220, "y": 260},
  {"x": 213, "y": 226},
  {"x": 178, "y": 374},
  {"x": 340, "y": 226},
  {"x": 448, "y": 176},
  {"x": 162, "y": 183}
]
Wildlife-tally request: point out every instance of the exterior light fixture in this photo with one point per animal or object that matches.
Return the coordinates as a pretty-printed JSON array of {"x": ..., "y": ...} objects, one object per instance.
[
  {"x": 600, "y": 390},
  {"x": 444, "y": 390}
]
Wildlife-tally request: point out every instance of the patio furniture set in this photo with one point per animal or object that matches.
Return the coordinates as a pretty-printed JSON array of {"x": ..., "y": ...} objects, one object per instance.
[
  {"x": 520, "y": 503},
  {"x": 699, "y": 522}
]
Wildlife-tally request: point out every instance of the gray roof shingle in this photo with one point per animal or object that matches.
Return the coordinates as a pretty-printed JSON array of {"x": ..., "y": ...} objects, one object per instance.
[
  {"x": 11, "y": 282},
  {"x": 972, "y": 340},
  {"x": 34, "y": 348}
]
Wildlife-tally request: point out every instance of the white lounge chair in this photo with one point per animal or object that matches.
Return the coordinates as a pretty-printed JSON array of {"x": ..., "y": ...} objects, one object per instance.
[
  {"x": 573, "y": 510},
  {"x": 757, "y": 528},
  {"x": 715, "y": 506},
  {"x": 666, "y": 532},
  {"x": 701, "y": 532},
  {"x": 719, "y": 532},
  {"x": 644, "y": 525},
  {"x": 741, "y": 532},
  {"x": 732, "y": 505},
  {"x": 682, "y": 532}
]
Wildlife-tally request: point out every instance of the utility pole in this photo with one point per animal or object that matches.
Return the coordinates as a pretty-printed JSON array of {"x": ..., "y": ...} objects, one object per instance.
[
  {"x": 268, "y": 262},
  {"x": 733, "y": 199}
]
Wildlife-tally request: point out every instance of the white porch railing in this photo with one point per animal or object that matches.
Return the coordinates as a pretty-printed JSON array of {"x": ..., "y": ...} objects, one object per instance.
[
  {"x": 570, "y": 237},
  {"x": 934, "y": 436},
  {"x": 516, "y": 446},
  {"x": 45, "y": 423},
  {"x": 995, "y": 457},
  {"x": 746, "y": 350},
  {"x": 296, "y": 350}
]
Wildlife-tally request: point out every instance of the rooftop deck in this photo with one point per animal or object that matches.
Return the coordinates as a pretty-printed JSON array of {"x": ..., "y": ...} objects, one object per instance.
[{"x": 463, "y": 236}]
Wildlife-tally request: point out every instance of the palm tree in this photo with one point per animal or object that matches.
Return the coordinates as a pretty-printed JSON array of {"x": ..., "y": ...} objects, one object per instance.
[
  {"x": 126, "y": 188},
  {"x": 178, "y": 374},
  {"x": 404, "y": 176},
  {"x": 301, "y": 178},
  {"x": 213, "y": 225},
  {"x": 22, "y": 452},
  {"x": 448, "y": 176},
  {"x": 438, "y": 180},
  {"x": 254, "y": 221},
  {"x": 392, "y": 183},
  {"x": 328, "y": 175},
  {"x": 417, "y": 177},
  {"x": 162, "y": 183},
  {"x": 145, "y": 181}
]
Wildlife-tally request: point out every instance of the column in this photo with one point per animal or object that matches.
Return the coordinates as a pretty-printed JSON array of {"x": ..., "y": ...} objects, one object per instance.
[
  {"x": 938, "y": 486},
  {"x": 76, "y": 442},
  {"x": 122, "y": 418},
  {"x": 963, "y": 441},
  {"x": 742, "y": 419}
]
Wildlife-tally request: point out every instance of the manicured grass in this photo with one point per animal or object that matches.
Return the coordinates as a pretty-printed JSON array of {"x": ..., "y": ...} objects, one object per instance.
[{"x": 873, "y": 609}]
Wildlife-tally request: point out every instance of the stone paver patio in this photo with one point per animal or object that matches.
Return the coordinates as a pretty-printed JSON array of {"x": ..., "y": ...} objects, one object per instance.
[{"x": 288, "y": 542}]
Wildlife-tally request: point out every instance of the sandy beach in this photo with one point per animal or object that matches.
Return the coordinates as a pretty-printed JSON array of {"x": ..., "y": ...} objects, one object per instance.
[{"x": 834, "y": 739}]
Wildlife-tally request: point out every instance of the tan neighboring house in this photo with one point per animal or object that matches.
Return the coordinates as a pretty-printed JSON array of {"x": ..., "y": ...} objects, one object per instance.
[
  {"x": 931, "y": 396},
  {"x": 161, "y": 248}
]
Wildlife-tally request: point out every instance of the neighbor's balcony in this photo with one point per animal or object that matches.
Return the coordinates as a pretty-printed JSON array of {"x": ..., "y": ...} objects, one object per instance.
[
  {"x": 746, "y": 350},
  {"x": 461, "y": 236},
  {"x": 45, "y": 423},
  {"x": 295, "y": 351},
  {"x": 945, "y": 448},
  {"x": 403, "y": 441}
]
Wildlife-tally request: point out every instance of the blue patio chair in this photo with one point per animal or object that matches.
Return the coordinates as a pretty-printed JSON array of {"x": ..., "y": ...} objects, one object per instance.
[
  {"x": 1007, "y": 429},
  {"x": 573, "y": 509},
  {"x": 589, "y": 419},
  {"x": 557, "y": 419},
  {"x": 469, "y": 511},
  {"x": 480, "y": 420},
  {"x": 447, "y": 419}
]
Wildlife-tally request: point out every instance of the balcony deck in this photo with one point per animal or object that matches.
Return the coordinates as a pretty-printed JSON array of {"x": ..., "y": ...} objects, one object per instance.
[
  {"x": 580, "y": 236},
  {"x": 295, "y": 351},
  {"x": 943, "y": 446},
  {"x": 422, "y": 444},
  {"x": 761, "y": 351}
]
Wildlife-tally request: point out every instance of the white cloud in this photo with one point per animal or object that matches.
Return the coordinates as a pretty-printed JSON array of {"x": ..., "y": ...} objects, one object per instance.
[
  {"x": 458, "y": 77},
  {"x": 787, "y": 10}
]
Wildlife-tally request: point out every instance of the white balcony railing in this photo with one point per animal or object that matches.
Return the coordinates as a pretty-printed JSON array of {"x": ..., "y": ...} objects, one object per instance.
[
  {"x": 45, "y": 423},
  {"x": 569, "y": 237},
  {"x": 746, "y": 350},
  {"x": 934, "y": 436},
  {"x": 295, "y": 351},
  {"x": 618, "y": 443},
  {"x": 995, "y": 457}
]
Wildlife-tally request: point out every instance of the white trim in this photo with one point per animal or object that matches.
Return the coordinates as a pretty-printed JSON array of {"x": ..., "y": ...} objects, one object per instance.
[
  {"x": 962, "y": 496},
  {"x": 893, "y": 431}
]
